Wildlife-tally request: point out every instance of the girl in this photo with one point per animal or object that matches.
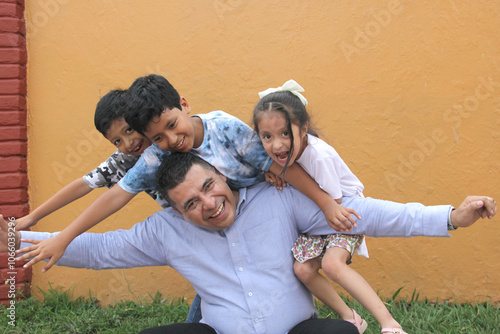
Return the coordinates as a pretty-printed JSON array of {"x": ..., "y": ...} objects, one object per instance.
[{"x": 282, "y": 123}]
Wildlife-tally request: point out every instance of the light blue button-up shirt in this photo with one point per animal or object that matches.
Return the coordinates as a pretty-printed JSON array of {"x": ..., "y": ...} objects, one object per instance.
[{"x": 244, "y": 273}]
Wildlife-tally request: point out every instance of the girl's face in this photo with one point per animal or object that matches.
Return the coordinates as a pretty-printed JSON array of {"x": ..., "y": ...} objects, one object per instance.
[{"x": 276, "y": 139}]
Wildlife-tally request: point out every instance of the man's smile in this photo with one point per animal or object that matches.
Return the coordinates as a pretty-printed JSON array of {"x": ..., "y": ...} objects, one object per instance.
[{"x": 219, "y": 211}]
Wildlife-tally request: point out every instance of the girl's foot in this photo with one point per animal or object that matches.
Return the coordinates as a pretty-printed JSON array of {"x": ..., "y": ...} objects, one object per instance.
[
  {"x": 393, "y": 330},
  {"x": 360, "y": 324}
]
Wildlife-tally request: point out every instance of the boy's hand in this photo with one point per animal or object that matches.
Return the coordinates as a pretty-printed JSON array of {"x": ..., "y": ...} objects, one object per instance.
[
  {"x": 340, "y": 218},
  {"x": 52, "y": 249},
  {"x": 275, "y": 180},
  {"x": 25, "y": 222}
]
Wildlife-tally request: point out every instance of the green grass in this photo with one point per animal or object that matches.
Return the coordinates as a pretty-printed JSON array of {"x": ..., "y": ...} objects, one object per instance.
[{"x": 60, "y": 313}]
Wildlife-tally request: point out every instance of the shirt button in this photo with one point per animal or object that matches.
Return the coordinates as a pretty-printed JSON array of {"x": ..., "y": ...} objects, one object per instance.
[
  {"x": 256, "y": 320},
  {"x": 250, "y": 294},
  {"x": 240, "y": 269},
  {"x": 233, "y": 244}
]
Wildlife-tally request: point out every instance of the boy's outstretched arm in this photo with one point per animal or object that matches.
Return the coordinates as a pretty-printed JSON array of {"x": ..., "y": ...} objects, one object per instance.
[
  {"x": 105, "y": 205},
  {"x": 338, "y": 216},
  {"x": 71, "y": 192}
]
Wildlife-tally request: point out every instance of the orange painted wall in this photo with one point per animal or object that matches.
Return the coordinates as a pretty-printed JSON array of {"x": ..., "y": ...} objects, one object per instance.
[{"x": 408, "y": 92}]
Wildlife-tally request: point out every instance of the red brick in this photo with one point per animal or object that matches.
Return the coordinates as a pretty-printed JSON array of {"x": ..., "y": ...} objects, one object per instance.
[
  {"x": 13, "y": 56},
  {"x": 22, "y": 290},
  {"x": 22, "y": 28},
  {"x": 16, "y": 147},
  {"x": 9, "y": 102},
  {"x": 11, "y": 9},
  {"x": 15, "y": 210},
  {"x": 12, "y": 71},
  {"x": 11, "y": 24},
  {"x": 12, "y": 86},
  {"x": 13, "y": 196},
  {"x": 12, "y": 164},
  {"x": 21, "y": 275},
  {"x": 4, "y": 261},
  {"x": 12, "y": 132},
  {"x": 11, "y": 40},
  {"x": 13, "y": 180},
  {"x": 20, "y": 2},
  {"x": 12, "y": 118}
]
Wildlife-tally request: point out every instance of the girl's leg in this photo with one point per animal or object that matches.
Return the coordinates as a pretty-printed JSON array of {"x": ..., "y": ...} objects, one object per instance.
[
  {"x": 319, "y": 286},
  {"x": 335, "y": 267}
]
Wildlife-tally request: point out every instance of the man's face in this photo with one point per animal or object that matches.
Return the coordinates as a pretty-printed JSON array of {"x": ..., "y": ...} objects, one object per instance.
[
  {"x": 205, "y": 199},
  {"x": 173, "y": 130}
]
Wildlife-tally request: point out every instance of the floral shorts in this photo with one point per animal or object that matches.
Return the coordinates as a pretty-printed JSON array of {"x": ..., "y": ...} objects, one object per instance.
[{"x": 308, "y": 247}]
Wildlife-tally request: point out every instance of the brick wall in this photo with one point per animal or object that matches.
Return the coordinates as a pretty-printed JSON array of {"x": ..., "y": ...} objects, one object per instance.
[
  {"x": 13, "y": 138},
  {"x": 13, "y": 146}
]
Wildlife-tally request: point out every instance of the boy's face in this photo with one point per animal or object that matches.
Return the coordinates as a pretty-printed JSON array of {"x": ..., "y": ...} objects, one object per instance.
[
  {"x": 126, "y": 139},
  {"x": 173, "y": 130}
]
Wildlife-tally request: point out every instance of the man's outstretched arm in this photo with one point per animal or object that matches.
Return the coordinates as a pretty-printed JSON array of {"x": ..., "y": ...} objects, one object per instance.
[
  {"x": 391, "y": 219},
  {"x": 143, "y": 245}
]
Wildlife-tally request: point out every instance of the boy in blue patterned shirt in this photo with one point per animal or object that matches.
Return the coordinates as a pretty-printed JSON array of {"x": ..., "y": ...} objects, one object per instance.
[{"x": 109, "y": 121}]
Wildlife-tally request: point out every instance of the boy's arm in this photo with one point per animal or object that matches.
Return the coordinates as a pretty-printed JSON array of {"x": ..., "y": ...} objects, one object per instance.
[
  {"x": 104, "y": 206},
  {"x": 106, "y": 174},
  {"x": 338, "y": 217},
  {"x": 63, "y": 197}
]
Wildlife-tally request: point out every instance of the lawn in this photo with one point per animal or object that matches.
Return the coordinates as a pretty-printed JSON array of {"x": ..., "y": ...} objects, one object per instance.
[{"x": 60, "y": 313}]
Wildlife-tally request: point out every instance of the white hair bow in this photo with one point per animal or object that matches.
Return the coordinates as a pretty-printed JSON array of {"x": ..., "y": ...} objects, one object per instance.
[{"x": 290, "y": 86}]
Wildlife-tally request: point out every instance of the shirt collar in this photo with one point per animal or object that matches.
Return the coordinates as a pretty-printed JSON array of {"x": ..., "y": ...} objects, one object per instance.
[{"x": 241, "y": 201}]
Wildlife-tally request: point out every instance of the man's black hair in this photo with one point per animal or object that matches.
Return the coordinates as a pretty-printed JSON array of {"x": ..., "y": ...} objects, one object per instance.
[{"x": 173, "y": 171}]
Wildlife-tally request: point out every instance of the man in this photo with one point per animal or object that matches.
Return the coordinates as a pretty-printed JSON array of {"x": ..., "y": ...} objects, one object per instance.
[{"x": 235, "y": 250}]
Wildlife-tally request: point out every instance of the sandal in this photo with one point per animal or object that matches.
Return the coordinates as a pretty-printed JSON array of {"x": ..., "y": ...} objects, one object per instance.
[
  {"x": 360, "y": 324},
  {"x": 393, "y": 331}
]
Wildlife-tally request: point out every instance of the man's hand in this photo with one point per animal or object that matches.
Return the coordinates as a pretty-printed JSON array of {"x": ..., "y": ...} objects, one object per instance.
[
  {"x": 473, "y": 208},
  {"x": 340, "y": 218},
  {"x": 7, "y": 231},
  {"x": 52, "y": 249}
]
